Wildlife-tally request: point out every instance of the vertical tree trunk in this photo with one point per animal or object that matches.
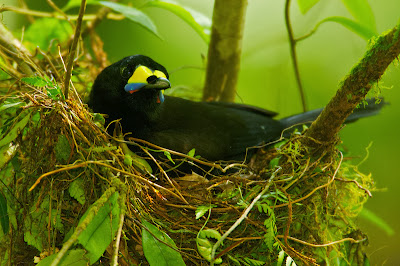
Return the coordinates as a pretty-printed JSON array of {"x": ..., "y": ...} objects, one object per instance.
[{"x": 224, "y": 50}]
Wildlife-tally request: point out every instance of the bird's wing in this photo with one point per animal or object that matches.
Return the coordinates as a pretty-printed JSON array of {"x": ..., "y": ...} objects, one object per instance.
[
  {"x": 217, "y": 132},
  {"x": 245, "y": 107}
]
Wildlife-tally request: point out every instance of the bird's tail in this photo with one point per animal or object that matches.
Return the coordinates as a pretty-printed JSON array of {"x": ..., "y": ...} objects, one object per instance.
[{"x": 372, "y": 108}]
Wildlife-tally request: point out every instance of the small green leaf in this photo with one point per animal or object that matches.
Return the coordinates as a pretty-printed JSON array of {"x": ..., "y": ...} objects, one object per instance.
[
  {"x": 204, "y": 246},
  {"x": 281, "y": 256},
  {"x": 378, "y": 221},
  {"x": 4, "y": 219},
  {"x": 201, "y": 210},
  {"x": 62, "y": 149},
  {"x": 101, "y": 230},
  {"x": 7, "y": 154},
  {"x": 306, "y": 5},
  {"x": 128, "y": 159},
  {"x": 32, "y": 238},
  {"x": 134, "y": 15},
  {"x": 168, "y": 155},
  {"x": 76, "y": 190},
  {"x": 7, "y": 105},
  {"x": 362, "y": 12},
  {"x": 274, "y": 162},
  {"x": 54, "y": 93},
  {"x": 191, "y": 152},
  {"x": 253, "y": 262},
  {"x": 157, "y": 253},
  {"x": 76, "y": 257},
  {"x": 269, "y": 237},
  {"x": 98, "y": 119},
  {"x": 352, "y": 25},
  {"x": 199, "y": 22},
  {"x": 35, "y": 81}
]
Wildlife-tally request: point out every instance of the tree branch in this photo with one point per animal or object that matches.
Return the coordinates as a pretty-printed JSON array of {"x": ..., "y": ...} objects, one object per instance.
[
  {"x": 383, "y": 50},
  {"x": 224, "y": 50}
]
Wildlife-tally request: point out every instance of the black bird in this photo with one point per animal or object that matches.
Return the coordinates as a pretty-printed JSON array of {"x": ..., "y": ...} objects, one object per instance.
[{"x": 132, "y": 90}]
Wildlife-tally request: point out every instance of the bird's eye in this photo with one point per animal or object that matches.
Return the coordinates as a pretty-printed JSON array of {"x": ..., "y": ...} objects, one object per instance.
[{"x": 126, "y": 72}]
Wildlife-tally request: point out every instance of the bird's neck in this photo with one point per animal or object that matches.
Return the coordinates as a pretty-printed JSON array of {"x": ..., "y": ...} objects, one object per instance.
[{"x": 141, "y": 119}]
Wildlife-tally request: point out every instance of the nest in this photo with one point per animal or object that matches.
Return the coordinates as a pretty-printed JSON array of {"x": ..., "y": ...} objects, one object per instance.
[{"x": 284, "y": 203}]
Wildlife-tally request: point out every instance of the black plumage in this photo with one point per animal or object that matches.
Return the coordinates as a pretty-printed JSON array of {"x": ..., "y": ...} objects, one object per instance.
[{"x": 131, "y": 90}]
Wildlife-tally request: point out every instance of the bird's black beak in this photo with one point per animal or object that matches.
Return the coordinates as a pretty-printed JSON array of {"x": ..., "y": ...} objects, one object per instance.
[
  {"x": 145, "y": 78},
  {"x": 159, "y": 83}
]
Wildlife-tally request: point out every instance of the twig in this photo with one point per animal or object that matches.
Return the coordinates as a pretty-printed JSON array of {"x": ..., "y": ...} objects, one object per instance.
[
  {"x": 292, "y": 43},
  {"x": 166, "y": 175},
  {"x": 352, "y": 240},
  {"x": 357, "y": 184},
  {"x": 315, "y": 189},
  {"x": 244, "y": 215},
  {"x": 133, "y": 140},
  {"x": 83, "y": 164},
  {"x": 74, "y": 45},
  {"x": 118, "y": 237},
  {"x": 57, "y": 9},
  {"x": 35, "y": 13}
]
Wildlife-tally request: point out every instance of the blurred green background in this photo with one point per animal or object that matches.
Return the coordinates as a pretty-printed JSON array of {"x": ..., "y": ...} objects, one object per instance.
[{"x": 266, "y": 80}]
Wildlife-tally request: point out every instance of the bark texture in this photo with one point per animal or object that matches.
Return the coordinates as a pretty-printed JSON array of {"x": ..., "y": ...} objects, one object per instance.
[
  {"x": 353, "y": 89},
  {"x": 224, "y": 51}
]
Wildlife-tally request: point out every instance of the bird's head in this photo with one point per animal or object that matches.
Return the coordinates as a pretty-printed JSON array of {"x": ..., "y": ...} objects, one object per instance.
[{"x": 135, "y": 82}]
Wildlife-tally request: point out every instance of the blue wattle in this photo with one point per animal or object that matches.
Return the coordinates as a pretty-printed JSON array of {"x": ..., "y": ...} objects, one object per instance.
[
  {"x": 161, "y": 97},
  {"x": 134, "y": 86}
]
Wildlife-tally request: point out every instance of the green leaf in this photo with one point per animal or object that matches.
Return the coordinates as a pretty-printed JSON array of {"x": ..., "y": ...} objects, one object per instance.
[
  {"x": 32, "y": 237},
  {"x": 98, "y": 119},
  {"x": 156, "y": 252},
  {"x": 7, "y": 153},
  {"x": 7, "y": 105},
  {"x": 76, "y": 191},
  {"x": 362, "y": 12},
  {"x": 201, "y": 210},
  {"x": 269, "y": 237},
  {"x": 75, "y": 257},
  {"x": 4, "y": 220},
  {"x": 254, "y": 262},
  {"x": 101, "y": 230},
  {"x": 281, "y": 256},
  {"x": 44, "y": 31},
  {"x": 379, "y": 222},
  {"x": 199, "y": 22},
  {"x": 274, "y": 162},
  {"x": 13, "y": 133},
  {"x": 191, "y": 152},
  {"x": 352, "y": 25},
  {"x": 35, "y": 81},
  {"x": 168, "y": 155},
  {"x": 134, "y": 15},
  {"x": 62, "y": 149},
  {"x": 306, "y": 5},
  {"x": 54, "y": 93},
  {"x": 204, "y": 246}
]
